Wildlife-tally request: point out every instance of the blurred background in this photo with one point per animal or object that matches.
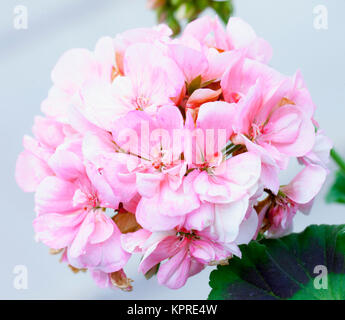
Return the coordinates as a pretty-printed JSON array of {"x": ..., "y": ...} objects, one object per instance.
[{"x": 27, "y": 57}]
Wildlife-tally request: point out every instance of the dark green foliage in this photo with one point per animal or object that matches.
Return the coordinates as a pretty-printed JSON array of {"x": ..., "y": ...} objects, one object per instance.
[{"x": 284, "y": 268}]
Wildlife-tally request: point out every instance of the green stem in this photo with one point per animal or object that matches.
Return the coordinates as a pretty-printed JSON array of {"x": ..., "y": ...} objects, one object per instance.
[{"x": 338, "y": 159}]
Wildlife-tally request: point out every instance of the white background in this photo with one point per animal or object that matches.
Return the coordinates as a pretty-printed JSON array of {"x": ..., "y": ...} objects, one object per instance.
[{"x": 26, "y": 60}]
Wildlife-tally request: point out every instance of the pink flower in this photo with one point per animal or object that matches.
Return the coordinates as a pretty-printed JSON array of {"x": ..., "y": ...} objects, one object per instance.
[
  {"x": 187, "y": 254},
  {"x": 160, "y": 33},
  {"x": 181, "y": 253},
  {"x": 159, "y": 175},
  {"x": 97, "y": 244},
  {"x": 298, "y": 195},
  {"x": 108, "y": 171},
  {"x": 238, "y": 35},
  {"x": 70, "y": 214},
  {"x": 83, "y": 66},
  {"x": 320, "y": 153},
  {"x": 267, "y": 123}
]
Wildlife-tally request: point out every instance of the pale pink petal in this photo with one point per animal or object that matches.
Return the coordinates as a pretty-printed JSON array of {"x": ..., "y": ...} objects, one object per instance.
[
  {"x": 242, "y": 35},
  {"x": 249, "y": 107},
  {"x": 242, "y": 74},
  {"x": 79, "y": 122},
  {"x": 108, "y": 170},
  {"x": 57, "y": 103},
  {"x": 248, "y": 229},
  {"x": 290, "y": 131},
  {"x": 48, "y": 131},
  {"x": 101, "y": 278},
  {"x": 79, "y": 243},
  {"x": 54, "y": 195},
  {"x": 107, "y": 257},
  {"x": 154, "y": 76},
  {"x": 202, "y": 251},
  {"x": 200, "y": 96},
  {"x": 195, "y": 267},
  {"x": 306, "y": 185},
  {"x": 320, "y": 154},
  {"x": 193, "y": 63},
  {"x": 243, "y": 172},
  {"x": 175, "y": 272},
  {"x": 58, "y": 230},
  {"x": 209, "y": 31},
  {"x": 218, "y": 63},
  {"x": 269, "y": 177},
  {"x": 160, "y": 251},
  {"x": 228, "y": 218},
  {"x": 100, "y": 105},
  {"x": 103, "y": 228},
  {"x": 234, "y": 82},
  {"x": 30, "y": 171},
  {"x": 66, "y": 165},
  {"x": 149, "y": 215},
  {"x": 105, "y": 193},
  {"x": 177, "y": 202},
  {"x": 217, "y": 116},
  {"x": 200, "y": 218},
  {"x": 133, "y": 241},
  {"x": 132, "y": 204},
  {"x": 105, "y": 55},
  {"x": 148, "y": 184},
  {"x": 169, "y": 118},
  {"x": 211, "y": 188},
  {"x": 260, "y": 50},
  {"x": 36, "y": 148},
  {"x": 73, "y": 69},
  {"x": 240, "y": 32},
  {"x": 300, "y": 95}
]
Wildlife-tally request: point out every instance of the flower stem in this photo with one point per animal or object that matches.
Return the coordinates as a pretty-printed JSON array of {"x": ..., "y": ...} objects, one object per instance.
[{"x": 338, "y": 159}]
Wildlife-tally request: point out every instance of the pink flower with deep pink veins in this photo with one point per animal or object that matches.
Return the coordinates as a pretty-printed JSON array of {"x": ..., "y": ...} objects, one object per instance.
[
  {"x": 71, "y": 215},
  {"x": 267, "y": 122},
  {"x": 157, "y": 34},
  {"x": 148, "y": 83},
  {"x": 181, "y": 253}
]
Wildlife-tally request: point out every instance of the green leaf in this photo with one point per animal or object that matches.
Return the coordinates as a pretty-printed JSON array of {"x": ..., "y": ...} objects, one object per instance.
[
  {"x": 337, "y": 191},
  {"x": 194, "y": 85},
  {"x": 337, "y": 158},
  {"x": 284, "y": 268}
]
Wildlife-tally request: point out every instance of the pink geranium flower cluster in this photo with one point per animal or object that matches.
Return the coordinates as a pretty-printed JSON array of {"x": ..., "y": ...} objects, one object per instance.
[{"x": 169, "y": 148}]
